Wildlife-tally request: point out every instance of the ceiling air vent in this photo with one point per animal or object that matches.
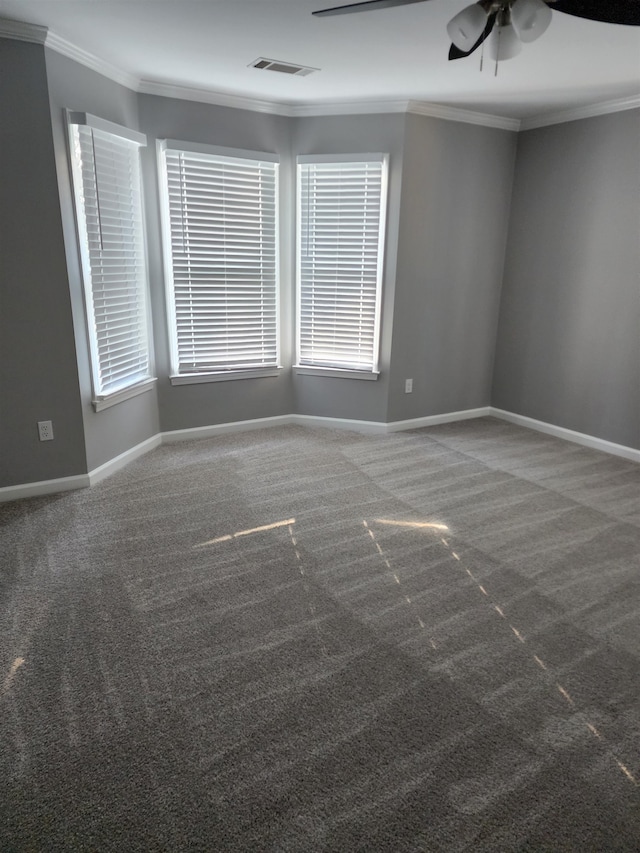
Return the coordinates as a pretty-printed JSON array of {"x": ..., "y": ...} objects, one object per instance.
[{"x": 282, "y": 67}]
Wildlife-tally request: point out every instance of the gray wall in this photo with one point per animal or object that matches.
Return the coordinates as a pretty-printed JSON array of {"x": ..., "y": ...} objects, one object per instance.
[
  {"x": 568, "y": 346},
  {"x": 355, "y": 398},
  {"x": 187, "y": 406},
  {"x": 38, "y": 374},
  {"x": 456, "y": 192},
  {"x": 114, "y": 430}
]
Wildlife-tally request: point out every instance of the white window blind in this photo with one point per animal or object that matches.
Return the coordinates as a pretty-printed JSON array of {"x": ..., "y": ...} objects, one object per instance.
[
  {"x": 220, "y": 244},
  {"x": 341, "y": 222},
  {"x": 106, "y": 172}
]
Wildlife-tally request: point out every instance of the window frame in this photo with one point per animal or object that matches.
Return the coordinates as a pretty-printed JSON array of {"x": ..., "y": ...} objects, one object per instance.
[
  {"x": 223, "y": 153},
  {"x": 336, "y": 370},
  {"x": 142, "y": 382}
]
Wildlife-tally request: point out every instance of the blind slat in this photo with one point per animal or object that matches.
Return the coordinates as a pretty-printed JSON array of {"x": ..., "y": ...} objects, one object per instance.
[
  {"x": 106, "y": 171},
  {"x": 221, "y": 220},
  {"x": 340, "y": 237}
]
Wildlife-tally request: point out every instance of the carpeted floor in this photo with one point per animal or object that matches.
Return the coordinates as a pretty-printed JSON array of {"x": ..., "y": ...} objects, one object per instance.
[{"x": 316, "y": 640}]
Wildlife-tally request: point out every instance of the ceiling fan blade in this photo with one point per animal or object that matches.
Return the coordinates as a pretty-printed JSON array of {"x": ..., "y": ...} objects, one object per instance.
[
  {"x": 366, "y": 6},
  {"x": 456, "y": 53},
  {"x": 610, "y": 12}
]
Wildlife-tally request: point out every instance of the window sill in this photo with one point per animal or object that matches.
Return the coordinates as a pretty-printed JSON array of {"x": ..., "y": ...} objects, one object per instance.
[
  {"x": 224, "y": 376},
  {"x": 307, "y": 370},
  {"x": 109, "y": 400}
]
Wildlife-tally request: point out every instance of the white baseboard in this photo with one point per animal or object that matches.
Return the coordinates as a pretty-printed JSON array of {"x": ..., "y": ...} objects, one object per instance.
[
  {"x": 568, "y": 435},
  {"x": 175, "y": 435},
  {"x": 81, "y": 481},
  {"x": 340, "y": 423},
  {"x": 121, "y": 461},
  {"x": 435, "y": 420},
  {"x": 43, "y": 487},
  {"x": 320, "y": 421}
]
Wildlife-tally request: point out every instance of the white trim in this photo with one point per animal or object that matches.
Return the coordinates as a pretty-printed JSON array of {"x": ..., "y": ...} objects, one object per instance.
[
  {"x": 334, "y": 372},
  {"x": 206, "y": 96},
  {"x": 329, "y": 108},
  {"x": 121, "y": 461},
  {"x": 329, "y": 228},
  {"x": 589, "y": 111},
  {"x": 21, "y": 31},
  {"x": 374, "y": 427},
  {"x": 435, "y": 420},
  {"x": 216, "y": 161},
  {"x": 43, "y": 487},
  {"x": 257, "y": 105},
  {"x": 378, "y": 427},
  {"x": 133, "y": 141},
  {"x": 97, "y": 123},
  {"x": 311, "y": 159},
  {"x": 166, "y": 250},
  {"x": 218, "y": 151},
  {"x": 195, "y": 433},
  {"x": 568, "y": 435},
  {"x": 109, "y": 400},
  {"x": 90, "y": 60},
  {"x": 224, "y": 376},
  {"x": 350, "y": 108},
  {"x": 80, "y": 481},
  {"x": 465, "y": 116}
]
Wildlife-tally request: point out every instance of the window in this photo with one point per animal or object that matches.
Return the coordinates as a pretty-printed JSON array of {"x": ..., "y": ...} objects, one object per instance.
[
  {"x": 341, "y": 223},
  {"x": 220, "y": 227},
  {"x": 105, "y": 162}
]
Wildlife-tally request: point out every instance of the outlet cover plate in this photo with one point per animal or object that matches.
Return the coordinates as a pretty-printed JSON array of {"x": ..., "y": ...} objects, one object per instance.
[{"x": 45, "y": 430}]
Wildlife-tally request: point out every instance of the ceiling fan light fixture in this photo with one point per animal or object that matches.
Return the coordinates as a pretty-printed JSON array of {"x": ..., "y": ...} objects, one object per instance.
[
  {"x": 530, "y": 19},
  {"x": 504, "y": 43},
  {"x": 466, "y": 27}
]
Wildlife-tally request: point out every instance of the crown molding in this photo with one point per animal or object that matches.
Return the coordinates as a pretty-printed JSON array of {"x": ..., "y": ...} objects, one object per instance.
[
  {"x": 342, "y": 108},
  {"x": 240, "y": 102},
  {"x": 462, "y": 115},
  {"x": 89, "y": 60},
  {"x": 19, "y": 31},
  {"x": 207, "y": 96},
  {"x": 591, "y": 111}
]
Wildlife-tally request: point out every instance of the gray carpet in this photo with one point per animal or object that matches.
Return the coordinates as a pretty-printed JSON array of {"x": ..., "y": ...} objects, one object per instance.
[{"x": 315, "y": 640}]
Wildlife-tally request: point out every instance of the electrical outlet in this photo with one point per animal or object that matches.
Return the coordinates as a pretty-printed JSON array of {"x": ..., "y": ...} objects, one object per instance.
[
  {"x": 408, "y": 386},
  {"x": 45, "y": 430}
]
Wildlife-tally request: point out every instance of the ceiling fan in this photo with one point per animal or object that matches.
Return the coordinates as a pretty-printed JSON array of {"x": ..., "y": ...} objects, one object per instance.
[{"x": 508, "y": 24}]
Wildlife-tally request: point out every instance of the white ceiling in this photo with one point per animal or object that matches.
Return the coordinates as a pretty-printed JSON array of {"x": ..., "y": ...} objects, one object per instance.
[{"x": 377, "y": 56}]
